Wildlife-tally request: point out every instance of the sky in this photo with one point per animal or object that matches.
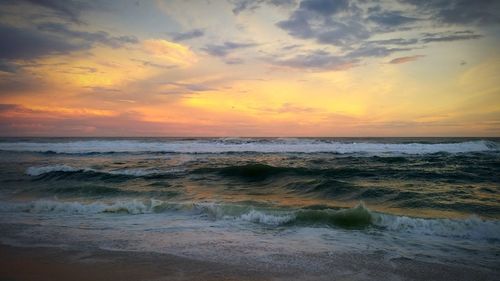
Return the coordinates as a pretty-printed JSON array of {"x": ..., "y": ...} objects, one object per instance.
[{"x": 297, "y": 68}]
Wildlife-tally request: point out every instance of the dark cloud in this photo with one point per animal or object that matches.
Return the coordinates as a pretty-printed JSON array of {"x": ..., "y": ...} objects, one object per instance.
[
  {"x": 371, "y": 50},
  {"x": 343, "y": 33},
  {"x": 14, "y": 84},
  {"x": 396, "y": 41},
  {"x": 222, "y": 50},
  {"x": 49, "y": 39},
  {"x": 89, "y": 38},
  {"x": 6, "y": 66},
  {"x": 187, "y": 88},
  {"x": 251, "y": 5},
  {"x": 5, "y": 107},
  {"x": 282, "y": 2},
  {"x": 460, "y": 12},
  {"x": 448, "y": 37},
  {"x": 321, "y": 60},
  {"x": 328, "y": 22},
  {"x": 68, "y": 9},
  {"x": 317, "y": 61},
  {"x": 350, "y": 24},
  {"x": 391, "y": 18},
  {"x": 464, "y": 32},
  {"x": 298, "y": 25},
  {"x": 242, "y": 5},
  {"x": 401, "y": 60},
  {"x": 27, "y": 44},
  {"x": 153, "y": 64},
  {"x": 324, "y": 7},
  {"x": 21, "y": 46},
  {"x": 234, "y": 61},
  {"x": 339, "y": 33},
  {"x": 290, "y": 47},
  {"x": 181, "y": 36}
]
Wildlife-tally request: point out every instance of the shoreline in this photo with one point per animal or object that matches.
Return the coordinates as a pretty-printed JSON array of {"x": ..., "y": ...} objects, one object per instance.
[{"x": 51, "y": 263}]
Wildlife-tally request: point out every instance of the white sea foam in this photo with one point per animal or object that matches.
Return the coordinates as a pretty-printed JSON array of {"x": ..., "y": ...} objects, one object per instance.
[
  {"x": 55, "y": 206},
  {"x": 40, "y": 170},
  {"x": 268, "y": 219},
  {"x": 244, "y": 213},
  {"x": 244, "y": 145},
  {"x": 473, "y": 227}
]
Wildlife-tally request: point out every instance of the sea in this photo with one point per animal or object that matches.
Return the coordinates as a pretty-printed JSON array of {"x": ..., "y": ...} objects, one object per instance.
[{"x": 278, "y": 202}]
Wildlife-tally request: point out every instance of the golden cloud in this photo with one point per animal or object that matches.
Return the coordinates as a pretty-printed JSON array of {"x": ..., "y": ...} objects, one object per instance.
[{"x": 170, "y": 52}]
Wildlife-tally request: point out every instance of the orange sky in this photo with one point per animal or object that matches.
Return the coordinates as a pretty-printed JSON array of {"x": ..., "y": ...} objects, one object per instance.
[{"x": 249, "y": 68}]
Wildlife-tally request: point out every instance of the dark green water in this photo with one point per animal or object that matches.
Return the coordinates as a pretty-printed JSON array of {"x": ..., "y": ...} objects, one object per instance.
[{"x": 439, "y": 196}]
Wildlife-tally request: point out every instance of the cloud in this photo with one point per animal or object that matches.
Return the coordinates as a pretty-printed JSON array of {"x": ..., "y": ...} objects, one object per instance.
[
  {"x": 13, "y": 84},
  {"x": 16, "y": 109},
  {"x": 153, "y": 64},
  {"x": 181, "y": 36},
  {"x": 395, "y": 41},
  {"x": 222, "y": 50},
  {"x": 318, "y": 60},
  {"x": 391, "y": 18},
  {"x": 6, "y": 107},
  {"x": 297, "y": 25},
  {"x": 97, "y": 89},
  {"x": 336, "y": 23},
  {"x": 324, "y": 7},
  {"x": 6, "y": 66},
  {"x": 343, "y": 33},
  {"x": 234, "y": 61},
  {"x": 169, "y": 51},
  {"x": 23, "y": 121},
  {"x": 321, "y": 60},
  {"x": 401, "y": 60},
  {"x": 460, "y": 12},
  {"x": 251, "y": 5},
  {"x": 350, "y": 24},
  {"x": 186, "y": 88},
  {"x": 372, "y": 50},
  {"x": 88, "y": 37},
  {"x": 67, "y": 9},
  {"x": 289, "y": 108},
  {"x": 449, "y": 37},
  {"x": 290, "y": 47},
  {"x": 27, "y": 44}
]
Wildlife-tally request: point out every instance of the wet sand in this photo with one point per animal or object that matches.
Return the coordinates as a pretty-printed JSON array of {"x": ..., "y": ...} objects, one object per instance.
[{"x": 45, "y": 263}]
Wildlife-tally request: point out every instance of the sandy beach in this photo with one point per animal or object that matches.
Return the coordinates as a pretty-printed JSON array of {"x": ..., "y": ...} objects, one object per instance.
[{"x": 44, "y": 263}]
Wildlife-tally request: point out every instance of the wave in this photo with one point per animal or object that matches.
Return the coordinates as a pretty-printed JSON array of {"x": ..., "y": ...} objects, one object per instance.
[
  {"x": 40, "y": 170},
  {"x": 68, "y": 171},
  {"x": 53, "y": 206},
  {"x": 358, "y": 217},
  {"x": 258, "y": 171},
  {"x": 247, "y": 145},
  {"x": 472, "y": 227}
]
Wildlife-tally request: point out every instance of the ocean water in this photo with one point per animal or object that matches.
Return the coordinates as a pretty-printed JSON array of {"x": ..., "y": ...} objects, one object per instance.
[{"x": 280, "y": 201}]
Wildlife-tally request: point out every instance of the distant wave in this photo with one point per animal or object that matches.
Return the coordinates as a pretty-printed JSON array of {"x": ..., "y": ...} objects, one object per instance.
[
  {"x": 356, "y": 217},
  {"x": 42, "y": 170},
  {"x": 246, "y": 145}
]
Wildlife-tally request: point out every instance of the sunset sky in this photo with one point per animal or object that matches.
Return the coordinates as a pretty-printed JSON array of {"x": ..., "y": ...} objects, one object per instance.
[{"x": 250, "y": 68}]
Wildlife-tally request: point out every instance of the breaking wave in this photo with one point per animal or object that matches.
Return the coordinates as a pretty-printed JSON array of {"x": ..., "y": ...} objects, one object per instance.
[
  {"x": 247, "y": 145},
  {"x": 358, "y": 217},
  {"x": 65, "y": 170}
]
